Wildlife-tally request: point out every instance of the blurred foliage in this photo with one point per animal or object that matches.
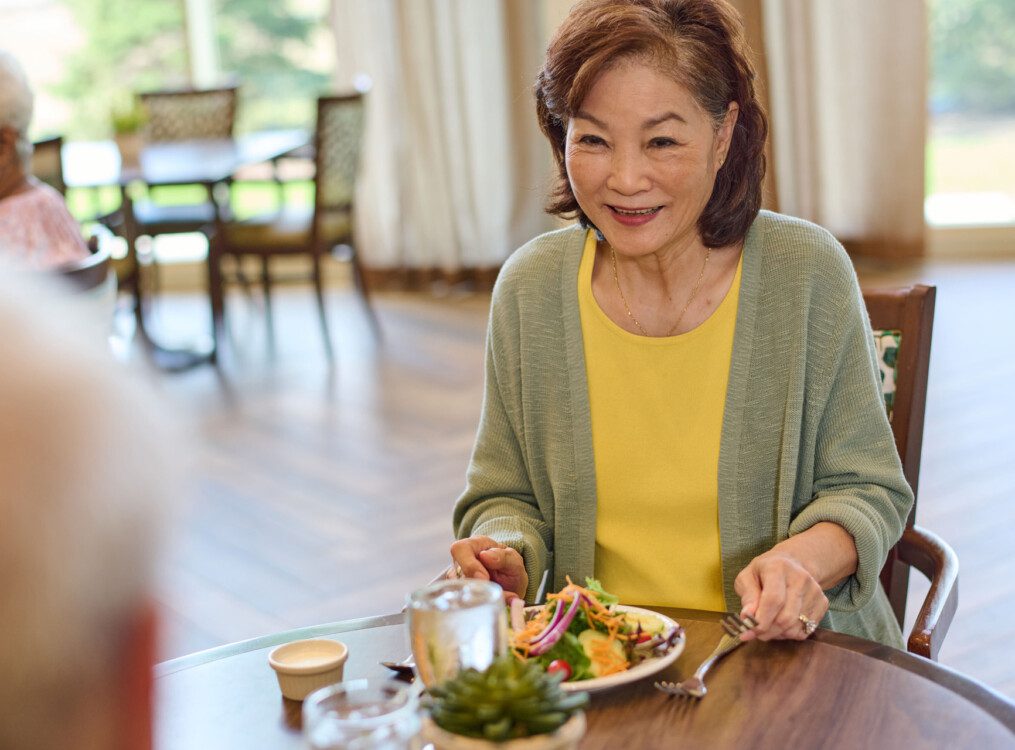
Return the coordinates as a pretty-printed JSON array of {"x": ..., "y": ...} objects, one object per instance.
[
  {"x": 268, "y": 46},
  {"x": 129, "y": 45},
  {"x": 973, "y": 43},
  {"x": 139, "y": 45}
]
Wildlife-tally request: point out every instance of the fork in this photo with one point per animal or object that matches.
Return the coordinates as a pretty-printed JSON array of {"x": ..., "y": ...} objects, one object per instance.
[{"x": 694, "y": 686}]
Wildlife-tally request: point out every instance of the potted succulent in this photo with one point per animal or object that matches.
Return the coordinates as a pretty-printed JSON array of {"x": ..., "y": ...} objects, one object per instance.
[
  {"x": 128, "y": 120},
  {"x": 512, "y": 705}
]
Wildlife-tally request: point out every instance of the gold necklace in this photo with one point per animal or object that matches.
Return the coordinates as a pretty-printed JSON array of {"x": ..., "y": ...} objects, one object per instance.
[{"x": 694, "y": 292}]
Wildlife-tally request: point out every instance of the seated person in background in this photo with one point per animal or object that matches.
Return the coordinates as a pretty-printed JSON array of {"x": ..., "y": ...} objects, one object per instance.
[
  {"x": 84, "y": 489},
  {"x": 36, "y": 230}
]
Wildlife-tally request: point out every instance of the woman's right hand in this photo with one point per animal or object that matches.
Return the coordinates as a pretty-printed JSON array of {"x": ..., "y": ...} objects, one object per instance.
[{"x": 488, "y": 560}]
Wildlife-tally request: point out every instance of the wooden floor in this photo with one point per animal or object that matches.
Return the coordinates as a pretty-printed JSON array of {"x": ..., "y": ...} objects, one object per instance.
[{"x": 322, "y": 492}]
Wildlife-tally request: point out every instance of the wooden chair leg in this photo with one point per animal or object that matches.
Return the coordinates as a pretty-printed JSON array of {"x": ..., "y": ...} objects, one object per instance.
[
  {"x": 216, "y": 292},
  {"x": 360, "y": 280},
  {"x": 130, "y": 234},
  {"x": 266, "y": 284},
  {"x": 269, "y": 318},
  {"x": 319, "y": 291}
]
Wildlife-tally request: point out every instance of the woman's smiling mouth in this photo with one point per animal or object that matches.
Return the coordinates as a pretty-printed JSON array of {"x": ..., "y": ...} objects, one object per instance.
[{"x": 634, "y": 216}]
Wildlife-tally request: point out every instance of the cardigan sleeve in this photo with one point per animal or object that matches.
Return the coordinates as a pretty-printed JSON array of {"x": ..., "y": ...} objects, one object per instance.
[
  {"x": 858, "y": 481},
  {"x": 499, "y": 500}
]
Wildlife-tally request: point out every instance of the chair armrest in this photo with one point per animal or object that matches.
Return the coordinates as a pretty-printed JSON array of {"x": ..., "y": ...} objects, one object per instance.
[{"x": 932, "y": 556}]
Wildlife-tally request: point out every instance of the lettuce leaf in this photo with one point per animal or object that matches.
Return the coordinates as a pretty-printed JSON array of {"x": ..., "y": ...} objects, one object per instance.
[
  {"x": 570, "y": 650},
  {"x": 604, "y": 598}
]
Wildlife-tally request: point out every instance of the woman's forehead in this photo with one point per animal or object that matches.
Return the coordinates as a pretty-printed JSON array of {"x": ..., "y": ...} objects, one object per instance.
[{"x": 639, "y": 89}]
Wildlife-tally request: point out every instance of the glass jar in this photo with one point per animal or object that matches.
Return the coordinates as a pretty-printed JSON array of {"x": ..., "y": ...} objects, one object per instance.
[
  {"x": 363, "y": 715},
  {"x": 454, "y": 625}
]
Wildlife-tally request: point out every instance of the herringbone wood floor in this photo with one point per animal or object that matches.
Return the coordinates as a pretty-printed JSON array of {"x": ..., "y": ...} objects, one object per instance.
[{"x": 324, "y": 493}]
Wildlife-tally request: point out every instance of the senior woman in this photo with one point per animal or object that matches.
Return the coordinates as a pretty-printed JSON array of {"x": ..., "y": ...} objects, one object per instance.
[
  {"x": 681, "y": 392},
  {"x": 36, "y": 230}
]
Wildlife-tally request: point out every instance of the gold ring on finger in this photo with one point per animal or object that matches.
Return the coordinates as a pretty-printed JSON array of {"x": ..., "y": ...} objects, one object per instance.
[{"x": 809, "y": 625}]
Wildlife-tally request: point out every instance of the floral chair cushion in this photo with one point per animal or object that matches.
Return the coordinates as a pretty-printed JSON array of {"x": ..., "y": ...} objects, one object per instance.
[{"x": 887, "y": 344}]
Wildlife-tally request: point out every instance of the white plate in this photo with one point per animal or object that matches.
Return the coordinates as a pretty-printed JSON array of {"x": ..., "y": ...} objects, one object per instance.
[{"x": 641, "y": 670}]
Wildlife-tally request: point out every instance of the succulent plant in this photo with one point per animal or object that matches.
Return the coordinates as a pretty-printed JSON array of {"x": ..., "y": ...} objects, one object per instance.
[
  {"x": 128, "y": 117},
  {"x": 508, "y": 700}
]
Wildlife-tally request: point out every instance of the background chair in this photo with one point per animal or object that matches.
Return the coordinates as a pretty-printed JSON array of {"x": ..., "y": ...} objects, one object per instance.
[
  {"x": 178, "y": 116},
  {"x": 185, "y": 114},
  {"x": 171, "y": 115},
  {"x": 903, "y": 321},
  {"x": 47, "y": 162},
  {"x": 325, "y": 228}
]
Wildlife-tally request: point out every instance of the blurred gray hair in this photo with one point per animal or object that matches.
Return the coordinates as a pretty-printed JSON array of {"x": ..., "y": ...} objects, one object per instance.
[
  {"x": 85, "y": 483},
  {"x": 16, "y": 104}
]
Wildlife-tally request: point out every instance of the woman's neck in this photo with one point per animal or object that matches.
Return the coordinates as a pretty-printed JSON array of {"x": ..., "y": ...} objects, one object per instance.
[{"x": 13, "y": 182}]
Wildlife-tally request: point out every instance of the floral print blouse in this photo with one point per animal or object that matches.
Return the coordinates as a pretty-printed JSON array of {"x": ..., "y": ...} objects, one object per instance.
[{"x": 36, "y": 230}]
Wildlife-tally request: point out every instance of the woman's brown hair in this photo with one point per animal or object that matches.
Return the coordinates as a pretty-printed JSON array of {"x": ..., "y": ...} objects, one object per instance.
[{"x": 701, "y": 44}]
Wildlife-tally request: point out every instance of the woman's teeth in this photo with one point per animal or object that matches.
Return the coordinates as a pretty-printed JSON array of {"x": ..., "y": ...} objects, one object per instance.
[{"x": 637, "y": 212}]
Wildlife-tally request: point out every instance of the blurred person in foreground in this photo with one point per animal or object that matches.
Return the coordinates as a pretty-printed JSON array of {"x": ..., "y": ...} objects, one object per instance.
[
  {"x": 682, "y": 395},
  {"x": 36, "y": 230},
  {"x": 85, "y": 487}
]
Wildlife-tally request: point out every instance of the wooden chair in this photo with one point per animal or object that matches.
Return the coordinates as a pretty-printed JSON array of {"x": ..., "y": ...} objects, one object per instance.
[
  {"x": 180, "y": 115},
  {"x": 324, "y": 229},
  {"x": 186, "y": 114},
  {"x": 171, "y": 115},
  {"x": 47, "y": 162},
  {"x": 903, "y": 320}
]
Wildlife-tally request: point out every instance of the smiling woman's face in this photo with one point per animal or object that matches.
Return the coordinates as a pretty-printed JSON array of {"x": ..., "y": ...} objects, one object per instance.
[{"x": 642, "y": 157}]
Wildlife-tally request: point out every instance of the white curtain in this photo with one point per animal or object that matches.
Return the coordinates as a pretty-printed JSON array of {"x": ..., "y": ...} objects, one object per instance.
[
  {"x": 454, "y": 169},
  {"x": 848, "y": 93}
]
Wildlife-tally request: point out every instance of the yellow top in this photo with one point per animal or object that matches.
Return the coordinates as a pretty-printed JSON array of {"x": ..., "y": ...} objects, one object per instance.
[{"x": 657, "y": 408}]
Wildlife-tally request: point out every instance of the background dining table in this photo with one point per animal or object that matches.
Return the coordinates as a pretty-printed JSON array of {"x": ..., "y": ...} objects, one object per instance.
[
  {"x": 831, "y": 691},
  {"x": 91, "y": 164},
  {"x": 206, "y": 162}
]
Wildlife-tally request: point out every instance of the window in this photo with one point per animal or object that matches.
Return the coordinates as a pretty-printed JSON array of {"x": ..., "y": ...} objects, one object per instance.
[
  {"x": 281, "y": 51},
  {"x": 971, "y": 139}
]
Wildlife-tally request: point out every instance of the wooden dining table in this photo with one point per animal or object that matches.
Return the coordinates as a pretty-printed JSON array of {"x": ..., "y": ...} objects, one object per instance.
[
  {"x": 207, "y": 162},
  {"x": 831, "y": 691}
]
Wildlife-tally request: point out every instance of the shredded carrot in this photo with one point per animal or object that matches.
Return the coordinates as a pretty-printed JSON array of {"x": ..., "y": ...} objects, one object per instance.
[
  {"x": 607, "y": 660},
  {"x": 596, "y": 613}
]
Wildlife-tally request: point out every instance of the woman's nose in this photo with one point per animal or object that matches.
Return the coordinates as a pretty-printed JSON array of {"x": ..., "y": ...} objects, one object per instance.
[{"x": 629, "y": 172}]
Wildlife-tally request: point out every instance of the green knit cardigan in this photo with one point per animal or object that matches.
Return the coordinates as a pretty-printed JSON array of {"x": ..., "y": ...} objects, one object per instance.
[{"x": 805, "y": 436}]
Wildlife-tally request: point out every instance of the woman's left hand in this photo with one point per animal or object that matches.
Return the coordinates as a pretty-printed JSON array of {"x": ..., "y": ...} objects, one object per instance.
[{"x": 781, "y": 595}]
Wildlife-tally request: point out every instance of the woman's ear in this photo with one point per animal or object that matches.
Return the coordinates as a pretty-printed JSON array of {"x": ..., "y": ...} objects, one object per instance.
[
  {"x": 724, "y": 135},
  {"x": 9, "y": 157},
  {"x": 7, "y": 139}
]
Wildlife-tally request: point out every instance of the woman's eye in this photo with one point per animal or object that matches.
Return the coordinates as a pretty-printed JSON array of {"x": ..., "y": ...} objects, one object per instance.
[
  {"x": 662, "y": 142},
  {"x": 591, "y": 140}
]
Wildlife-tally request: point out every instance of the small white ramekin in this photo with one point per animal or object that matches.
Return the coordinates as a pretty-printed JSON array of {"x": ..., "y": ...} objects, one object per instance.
[{"x": 304, "y": 666}]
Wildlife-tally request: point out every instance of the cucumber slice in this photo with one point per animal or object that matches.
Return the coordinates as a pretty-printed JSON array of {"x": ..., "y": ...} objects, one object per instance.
[
  {"x": 649, "y": 623},
  {"x": 590, "y": 640}
]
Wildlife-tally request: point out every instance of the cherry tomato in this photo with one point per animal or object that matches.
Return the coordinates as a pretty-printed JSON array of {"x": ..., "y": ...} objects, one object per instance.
[
  {"x": 642, "y": 637},
  {"x": 559, "y": 665}
]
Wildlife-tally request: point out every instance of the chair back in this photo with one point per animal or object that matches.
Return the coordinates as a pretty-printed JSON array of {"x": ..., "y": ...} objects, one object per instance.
[
  {"x": 903, "y": 320},
  {"x": 184, "y": 114},
  {"x": 337, "y": 152},
  {"x": 47, "y": 162}
]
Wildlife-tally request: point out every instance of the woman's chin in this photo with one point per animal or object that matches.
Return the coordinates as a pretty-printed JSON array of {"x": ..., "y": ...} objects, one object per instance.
[{"x": 628, "y": 245}]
